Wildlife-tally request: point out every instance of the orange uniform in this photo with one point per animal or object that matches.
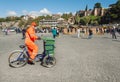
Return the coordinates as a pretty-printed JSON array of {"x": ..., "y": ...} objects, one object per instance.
[{"x": 29, "y": 41}]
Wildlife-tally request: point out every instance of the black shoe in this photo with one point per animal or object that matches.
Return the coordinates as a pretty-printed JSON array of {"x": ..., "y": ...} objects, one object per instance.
[{"x": 31, "y": 62}]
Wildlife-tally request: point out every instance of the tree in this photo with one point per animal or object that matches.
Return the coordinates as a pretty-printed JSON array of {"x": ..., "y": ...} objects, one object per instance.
[
  {"x": 94, "y": 20},
  {"x": 77, "y": 19},
  {"x": 66, "y": 16},
  {"x": 85, "y": 20},
  {"x": 98, "y": 5},
  {"x": 115, "y": 11},
  {"x": 86, "y": 8},
  {"x": 70, "y": 14},
  {"x": 48, "y": 17},
  {"x": 112, "y": 14},
  {"x": 2, "y": 19}
]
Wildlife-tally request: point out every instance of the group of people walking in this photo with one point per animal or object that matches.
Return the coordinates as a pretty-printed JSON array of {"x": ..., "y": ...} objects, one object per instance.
[
  {"x": 80, "y": 33},
  {"x": 112, "y": 31}
]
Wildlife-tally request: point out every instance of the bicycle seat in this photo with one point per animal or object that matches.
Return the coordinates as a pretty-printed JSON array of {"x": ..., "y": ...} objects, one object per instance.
[{"x": 22, "y": 46}]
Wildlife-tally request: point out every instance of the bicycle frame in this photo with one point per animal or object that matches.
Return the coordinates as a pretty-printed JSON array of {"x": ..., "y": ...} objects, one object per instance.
[
  {"x": 40, "y": 56},
  {"x": 24, "y": 51}
]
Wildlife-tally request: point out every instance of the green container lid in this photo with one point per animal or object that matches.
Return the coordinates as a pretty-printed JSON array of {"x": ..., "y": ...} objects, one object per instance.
[{"x": 49, "y": 40}]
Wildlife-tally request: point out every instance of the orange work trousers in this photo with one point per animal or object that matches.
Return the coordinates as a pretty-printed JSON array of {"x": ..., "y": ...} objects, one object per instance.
[{"x": 32, "y": 49}]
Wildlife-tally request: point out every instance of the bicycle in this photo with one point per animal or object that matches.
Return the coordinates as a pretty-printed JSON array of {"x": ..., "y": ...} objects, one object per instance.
[{"x": 19, "y": 58}]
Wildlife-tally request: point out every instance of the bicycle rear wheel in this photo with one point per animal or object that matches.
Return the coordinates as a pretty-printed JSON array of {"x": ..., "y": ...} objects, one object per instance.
[
  {"x": 17, "y": 59},
  {"x": 49, "y": 61}
]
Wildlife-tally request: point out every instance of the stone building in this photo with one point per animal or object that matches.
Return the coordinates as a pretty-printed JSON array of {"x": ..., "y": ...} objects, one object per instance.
[
  {"x": 95, "y": 12},
  {"x": 48, "y": 23},
  {"x": 98, "y": 11}
]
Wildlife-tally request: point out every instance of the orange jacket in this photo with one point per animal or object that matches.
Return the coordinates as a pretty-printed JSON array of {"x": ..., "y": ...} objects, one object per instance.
[{"x": 30, "y": 34}]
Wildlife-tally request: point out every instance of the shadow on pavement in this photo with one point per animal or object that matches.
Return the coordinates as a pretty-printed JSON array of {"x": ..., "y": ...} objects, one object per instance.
[
  {"x": 106, "y": 38},
  {"x": 74, "y": 36},
  {"x": 79, "y": 37},
  {"x": 116, "y": 40},
  {"x": 118, "y": 36}
]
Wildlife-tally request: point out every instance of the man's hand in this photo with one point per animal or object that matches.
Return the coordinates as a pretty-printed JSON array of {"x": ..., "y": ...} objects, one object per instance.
[{"x": 39, "y": 38}]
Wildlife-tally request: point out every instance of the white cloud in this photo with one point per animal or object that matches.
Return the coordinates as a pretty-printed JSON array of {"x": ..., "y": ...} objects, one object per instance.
[
  {"x": 34, "y": 13},
  {"x": 74, "y": 13},
  {"x": 43, "y": 11},
  {"x": 60, "y": 13},
  {"x": 25, "y": 12},
  {"x": 11, "y": 13},
  {"x": 66, "y": 12}
]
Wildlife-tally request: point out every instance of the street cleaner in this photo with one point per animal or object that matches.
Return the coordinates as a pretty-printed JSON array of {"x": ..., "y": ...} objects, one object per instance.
[{"x": 30, "y": 42}]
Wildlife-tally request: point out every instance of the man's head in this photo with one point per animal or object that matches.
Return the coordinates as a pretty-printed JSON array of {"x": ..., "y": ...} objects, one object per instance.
[{"x": 34, "y": 24}]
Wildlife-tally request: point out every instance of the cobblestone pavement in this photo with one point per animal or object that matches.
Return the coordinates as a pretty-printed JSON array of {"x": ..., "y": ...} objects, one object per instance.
[{"x": 78, "y": 60}]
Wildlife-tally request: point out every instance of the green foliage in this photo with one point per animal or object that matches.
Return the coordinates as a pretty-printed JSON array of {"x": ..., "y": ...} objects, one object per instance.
[
  {"x": 66, "y": 16},
  {"x": 94, "y": 20},
  {"x": 114, "y": 11},
  {"x": 86, "y": 8},
  {"x": 77, "y": 19},
  {"x": 85, "y": 20},
  {"x": 97, "y": 5},
  {"x": 10, "y": 18},
  {"x": 114, "y": 16},
  {"x": 48, "y": 17},
  {"x": 2, "y": 20}
]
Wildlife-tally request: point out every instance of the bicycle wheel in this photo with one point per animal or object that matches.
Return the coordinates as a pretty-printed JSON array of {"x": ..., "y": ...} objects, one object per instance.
[
  {"x": 49, "y": 61},
  {"x": 17, "y": 59}
]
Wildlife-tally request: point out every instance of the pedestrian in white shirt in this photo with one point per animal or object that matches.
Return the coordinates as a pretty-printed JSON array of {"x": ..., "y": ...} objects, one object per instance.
[{"x": 78, "y": 32}]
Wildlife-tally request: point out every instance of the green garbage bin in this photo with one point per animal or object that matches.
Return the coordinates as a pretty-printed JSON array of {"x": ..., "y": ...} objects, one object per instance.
[{"x": 48, "y": 43}]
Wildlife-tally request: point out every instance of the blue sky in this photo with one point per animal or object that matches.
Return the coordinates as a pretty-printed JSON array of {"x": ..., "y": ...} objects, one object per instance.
[{"x": 41, "y": 7}]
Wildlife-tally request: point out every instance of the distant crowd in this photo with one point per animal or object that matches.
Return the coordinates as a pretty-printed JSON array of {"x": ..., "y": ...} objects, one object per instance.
[{"x": 55, "y": 31}]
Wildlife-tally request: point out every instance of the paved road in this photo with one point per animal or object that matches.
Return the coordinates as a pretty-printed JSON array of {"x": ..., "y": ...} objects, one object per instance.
[{"x": 78, "y": 60}]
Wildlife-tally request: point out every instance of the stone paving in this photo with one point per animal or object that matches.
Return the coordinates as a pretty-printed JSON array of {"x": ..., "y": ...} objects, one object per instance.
[{"x": 78, "y": 60}]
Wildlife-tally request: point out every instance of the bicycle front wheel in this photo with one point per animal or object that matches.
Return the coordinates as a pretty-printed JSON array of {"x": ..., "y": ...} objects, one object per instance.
[
  {"x": 49, "y": 61},
  {"x": 17, "y": 59}
]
